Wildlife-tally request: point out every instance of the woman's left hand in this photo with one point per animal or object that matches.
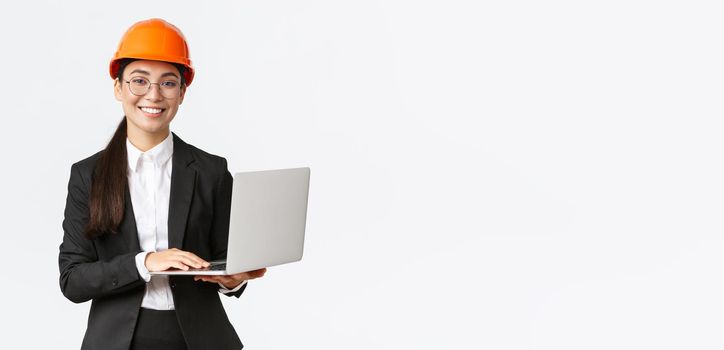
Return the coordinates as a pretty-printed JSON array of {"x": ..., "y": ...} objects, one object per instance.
[{"x": 232, "y": 281}]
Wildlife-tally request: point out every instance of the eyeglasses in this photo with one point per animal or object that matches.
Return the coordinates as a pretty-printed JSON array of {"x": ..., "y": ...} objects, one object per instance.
[{"x": 140, "y": 86}]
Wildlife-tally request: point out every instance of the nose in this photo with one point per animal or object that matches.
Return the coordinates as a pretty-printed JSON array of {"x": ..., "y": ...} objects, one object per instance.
[{"x": 153, "y": 94}]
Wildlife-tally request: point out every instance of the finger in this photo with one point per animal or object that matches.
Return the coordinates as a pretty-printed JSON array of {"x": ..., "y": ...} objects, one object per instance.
[
  {"x": 208, "y": 277},
  {"x": 193, "y": 257},
  {"x": 177, "y": 265},
  {"x": 251, "y": 274},
  {"x": 186, "y": 260},
  {"x": 256, "y": 273},
  {"x": 240, "y": 276},
  {"x": 196, "y": 258},
  {"x": 222, "y": 279}
]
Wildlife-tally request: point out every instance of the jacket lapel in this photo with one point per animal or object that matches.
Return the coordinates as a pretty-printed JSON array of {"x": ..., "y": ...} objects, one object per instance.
[{"x": 183, "y": 180}]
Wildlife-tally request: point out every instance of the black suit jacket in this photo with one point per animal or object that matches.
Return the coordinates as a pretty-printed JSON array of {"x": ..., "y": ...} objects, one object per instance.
[{"x": 104, "y": 270}]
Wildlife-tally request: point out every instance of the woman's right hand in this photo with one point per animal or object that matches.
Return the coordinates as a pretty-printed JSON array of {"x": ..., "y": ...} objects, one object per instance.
[{"x": 173, "y": 258}]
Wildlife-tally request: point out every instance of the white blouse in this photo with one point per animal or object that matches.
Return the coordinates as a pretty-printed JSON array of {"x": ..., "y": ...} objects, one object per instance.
[{"x": 149, "y": 182}]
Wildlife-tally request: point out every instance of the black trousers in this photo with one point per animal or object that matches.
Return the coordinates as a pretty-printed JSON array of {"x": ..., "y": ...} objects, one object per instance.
[{"x": 157, "y": 330}]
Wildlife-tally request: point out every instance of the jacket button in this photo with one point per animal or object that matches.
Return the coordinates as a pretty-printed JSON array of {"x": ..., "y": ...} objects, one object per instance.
[
  {"x": 115, "y": 283},
  {"x": 173, "y": 284}
]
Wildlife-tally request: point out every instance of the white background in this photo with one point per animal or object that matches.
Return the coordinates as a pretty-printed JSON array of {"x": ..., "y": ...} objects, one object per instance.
[{"x": 485, "y": 174}]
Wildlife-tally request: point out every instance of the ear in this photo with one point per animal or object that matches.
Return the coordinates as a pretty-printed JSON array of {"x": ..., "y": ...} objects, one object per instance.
[{"x": 117, "y": 90}]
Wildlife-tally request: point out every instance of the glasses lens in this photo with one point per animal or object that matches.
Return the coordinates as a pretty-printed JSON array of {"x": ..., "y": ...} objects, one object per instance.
[
  {"x": 169, "y": 88},
  {"x": 138, "y": 86}
]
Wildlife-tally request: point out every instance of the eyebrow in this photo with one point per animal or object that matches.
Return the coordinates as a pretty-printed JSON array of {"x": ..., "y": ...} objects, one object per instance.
[{"x": 167, "y": 74}]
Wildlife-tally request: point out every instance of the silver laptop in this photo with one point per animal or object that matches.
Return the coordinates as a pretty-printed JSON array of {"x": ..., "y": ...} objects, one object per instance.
[{"x": 268, "y": 217}]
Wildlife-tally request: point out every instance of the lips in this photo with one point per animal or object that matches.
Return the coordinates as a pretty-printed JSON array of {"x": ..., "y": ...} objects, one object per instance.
[{"x": 152, "y": 110}]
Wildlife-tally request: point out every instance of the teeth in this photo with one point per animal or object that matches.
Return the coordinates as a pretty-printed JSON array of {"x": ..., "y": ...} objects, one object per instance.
[{"x": 151, "y": 110}]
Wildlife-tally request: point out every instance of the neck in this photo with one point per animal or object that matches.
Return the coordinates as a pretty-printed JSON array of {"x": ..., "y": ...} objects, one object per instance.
[{"x": 145, "y": 141}]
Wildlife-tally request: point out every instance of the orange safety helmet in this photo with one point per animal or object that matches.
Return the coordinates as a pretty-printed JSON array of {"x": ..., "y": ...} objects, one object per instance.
[{"x": 154, "y": 39}]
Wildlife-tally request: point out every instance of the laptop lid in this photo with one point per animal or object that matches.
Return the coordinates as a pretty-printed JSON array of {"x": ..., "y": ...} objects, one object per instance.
[
  {"x": 268, "y": 218},
  {"x": 267, "y": 223}
]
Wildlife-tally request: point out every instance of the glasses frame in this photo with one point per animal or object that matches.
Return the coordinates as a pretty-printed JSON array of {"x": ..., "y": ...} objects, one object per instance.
[{"x": 160, "y": 89}]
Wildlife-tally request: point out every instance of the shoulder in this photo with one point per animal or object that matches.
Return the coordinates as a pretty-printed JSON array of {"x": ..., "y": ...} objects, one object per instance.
[
  {"x": 201, "y": 160},
  {"x": 205, "y": 158},
  {"x": 85, "y": 167}
]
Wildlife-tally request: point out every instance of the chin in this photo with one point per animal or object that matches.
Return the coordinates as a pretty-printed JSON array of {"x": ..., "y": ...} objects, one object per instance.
[
  {"x": 150, "y": 126},
  {"x": 154, "y": 129}
]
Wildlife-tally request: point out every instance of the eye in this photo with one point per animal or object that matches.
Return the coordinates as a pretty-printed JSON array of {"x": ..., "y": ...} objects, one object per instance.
[
  {"x": 139, "y": 81},
  {"x": 169, "y": 84}
]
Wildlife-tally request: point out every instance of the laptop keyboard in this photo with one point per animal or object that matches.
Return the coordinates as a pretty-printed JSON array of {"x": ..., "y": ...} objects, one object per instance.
[{"x": 219, "y": 267}]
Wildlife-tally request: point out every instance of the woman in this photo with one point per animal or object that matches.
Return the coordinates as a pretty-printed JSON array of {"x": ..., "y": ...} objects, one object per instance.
[{"x": 149, "y": 202}]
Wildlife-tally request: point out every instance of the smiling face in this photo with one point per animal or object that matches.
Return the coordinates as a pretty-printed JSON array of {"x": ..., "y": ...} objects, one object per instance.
[{"x": 150, "y": 114}]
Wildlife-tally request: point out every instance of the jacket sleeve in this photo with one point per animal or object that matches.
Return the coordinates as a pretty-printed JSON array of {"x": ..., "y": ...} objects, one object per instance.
[
  {"x": 82, "y": 275},
  {"x": 220, "y": 224}
]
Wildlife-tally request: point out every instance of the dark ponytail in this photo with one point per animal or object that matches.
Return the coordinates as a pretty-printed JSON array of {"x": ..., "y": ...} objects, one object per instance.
[{"x": 108, "y": 192}]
